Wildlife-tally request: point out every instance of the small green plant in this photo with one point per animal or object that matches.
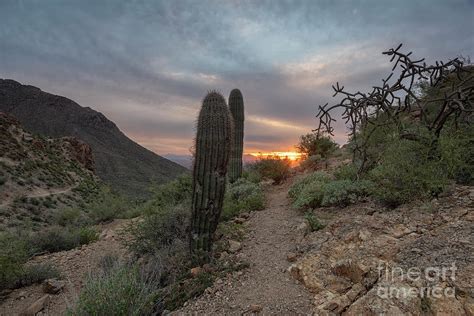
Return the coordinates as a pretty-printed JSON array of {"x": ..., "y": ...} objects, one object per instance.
[
  {"x": 118, "y": 290},
  {"x": 313, "y": 222}
]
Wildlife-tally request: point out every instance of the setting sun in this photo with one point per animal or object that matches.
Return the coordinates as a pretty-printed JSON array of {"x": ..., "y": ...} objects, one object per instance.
[{"x": 291, "y": 155}]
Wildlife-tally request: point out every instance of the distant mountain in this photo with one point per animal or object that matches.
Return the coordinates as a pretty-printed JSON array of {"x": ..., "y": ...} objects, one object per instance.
[
  {"x": 184, "y": 160},
  {"x": 120, "y": 162}
]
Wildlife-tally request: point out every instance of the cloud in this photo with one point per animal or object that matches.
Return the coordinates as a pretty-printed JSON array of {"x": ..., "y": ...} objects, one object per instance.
[{"x": 147, "y": 64}]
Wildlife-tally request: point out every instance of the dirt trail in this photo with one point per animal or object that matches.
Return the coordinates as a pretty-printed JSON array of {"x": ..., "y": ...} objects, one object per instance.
[
  {"x": 74, "y": 266},
  {"x": 272, "y": 234}
]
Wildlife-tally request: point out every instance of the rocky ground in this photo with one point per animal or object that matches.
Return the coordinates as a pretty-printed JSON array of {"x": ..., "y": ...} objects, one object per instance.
[
  {"x": 53, "y": 297},
  {"x": 347, "y": 268},
  {"x": 359, "y": 264}
]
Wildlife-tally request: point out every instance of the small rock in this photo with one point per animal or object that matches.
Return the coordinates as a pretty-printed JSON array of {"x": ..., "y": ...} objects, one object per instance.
[
  {"x": 234, "y": 246},
  {"x": 52, "y": 286},
  {"x": 239, "y": 220},
  {"x": 207, "y": 267},
  {"x": 254, "y": 308},
  {"x": 224, "y": 255},
  {"x": 196, "y": 271},
  {"x": 291, "y": 257},
  {"x": 36, "y": 307},
  {"x": 245, "y": 215}
]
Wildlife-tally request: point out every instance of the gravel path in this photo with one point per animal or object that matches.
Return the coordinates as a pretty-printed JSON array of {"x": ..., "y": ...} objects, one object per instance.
[{"x": 266, "y": 285}]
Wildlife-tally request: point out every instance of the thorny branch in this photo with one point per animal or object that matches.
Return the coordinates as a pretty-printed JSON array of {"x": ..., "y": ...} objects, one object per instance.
[{"x": 394, "y": 98}]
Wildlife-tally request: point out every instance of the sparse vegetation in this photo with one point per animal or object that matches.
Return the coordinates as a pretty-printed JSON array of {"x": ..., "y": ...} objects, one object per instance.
[{"x": 120, "y": 289}]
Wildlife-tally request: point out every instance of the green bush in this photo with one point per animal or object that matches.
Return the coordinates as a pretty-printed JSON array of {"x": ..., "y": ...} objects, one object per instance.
[
  {"x": 313, "y": 222},
  {"x": 160, "y": 229},
  {"x": 301, "y": 183},
  {"x": 346, "y": 172},
  {"x": 311, "y": 162},
  {"x": 169, "y": 194},
  {"x": 242, "y": 196},
  {"x": 107, "y": 206},
  {"x": 119, "y": 290},
  {"x": 310, "y": 196},
  {"x": 36, "y": 273},
  {"x": 457, "y": 155},
  {"x": 13, "y": 254},
  {"x": 272, "y": 168},
  {"x": 313, "y": 144},
  {"x": 317, "y": 190},
  {"x": 57, "y": 238},
  {"x": 407, "y": 170},
  {"x": 345, "y": 192},
  {"x": 71, "y": 217}
]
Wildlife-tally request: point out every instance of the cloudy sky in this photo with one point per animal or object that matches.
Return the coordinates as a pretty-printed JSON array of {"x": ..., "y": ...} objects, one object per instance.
[{"x": 147, "y": 64}]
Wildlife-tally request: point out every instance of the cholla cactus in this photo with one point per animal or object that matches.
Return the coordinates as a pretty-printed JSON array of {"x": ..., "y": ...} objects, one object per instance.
[
  {"x": 213, "y": 141},
  {"x": 236, "y": 106}
]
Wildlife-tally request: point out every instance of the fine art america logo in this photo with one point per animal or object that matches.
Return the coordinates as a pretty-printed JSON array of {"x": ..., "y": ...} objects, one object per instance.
[{"x": 390, "y": 276}]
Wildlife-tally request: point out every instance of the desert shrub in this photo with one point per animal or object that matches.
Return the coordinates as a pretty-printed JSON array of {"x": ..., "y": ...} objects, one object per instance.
[
  {"x": 312, "y": 144},
  {"x": 57, "y": 238},
  {"x": 175, "y": 295},
  {"x": 273, "y": 168},
  {"x": 311, "y": 162},
  {"x": 36, "y": 273},
  {"x": 457, "y": 155},
  {"x": 118, "y": 290},
  {"x": 345, "y": 192},
  {"x": 71, "y": 217},
  {"x": 251, "y": 175},
  {"x": 407, "y": 170},
  {"x": 346, "y": 172},
  {"x": 301, "y": 183},
  {"x": 313, "y": 222},
  {"x": 13, "y": 254},
  {"x": 169, "y": 194},
  {"x": 160, "y": 229},
  {"x": 107, "y": 206},
  {"x": 310, "y": 196},
  {"x": 317, "y": 189},
  {"x": 242, "y": 196}
]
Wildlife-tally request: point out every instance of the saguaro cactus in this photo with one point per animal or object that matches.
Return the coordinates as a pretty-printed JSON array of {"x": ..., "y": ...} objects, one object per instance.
[
  {"x": 213, "y": 140},
  {"x": 236, "y": 106}
]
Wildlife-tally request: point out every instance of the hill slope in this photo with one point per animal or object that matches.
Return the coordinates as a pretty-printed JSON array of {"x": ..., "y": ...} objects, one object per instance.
[
  {"x": 125, "y": 165},
  {"x": 38, "y": 176}
]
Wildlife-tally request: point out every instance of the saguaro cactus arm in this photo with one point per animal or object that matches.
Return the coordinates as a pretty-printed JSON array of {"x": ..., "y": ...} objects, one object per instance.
[{"x": 236, "y": 106}]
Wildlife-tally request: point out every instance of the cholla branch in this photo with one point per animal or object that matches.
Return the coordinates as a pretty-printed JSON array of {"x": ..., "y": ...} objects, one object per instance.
[{"x": 395, "y": 97}]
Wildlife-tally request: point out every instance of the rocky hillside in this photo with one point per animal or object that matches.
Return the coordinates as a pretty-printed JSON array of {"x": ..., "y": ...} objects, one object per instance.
[
  {"x": 122, "y": 163},
  {"x": 39, "y": 175}
]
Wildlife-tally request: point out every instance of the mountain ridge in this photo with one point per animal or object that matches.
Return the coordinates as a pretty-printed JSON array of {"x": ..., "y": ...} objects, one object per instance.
[{"x": 125, "y": 165}]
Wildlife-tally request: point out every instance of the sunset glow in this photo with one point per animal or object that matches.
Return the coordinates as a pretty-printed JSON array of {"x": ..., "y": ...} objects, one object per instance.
[{"x": 291, "y": 155}]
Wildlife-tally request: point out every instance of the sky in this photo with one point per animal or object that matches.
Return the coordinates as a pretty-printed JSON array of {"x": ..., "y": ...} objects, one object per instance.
[{"x": 148, "y": 64}]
